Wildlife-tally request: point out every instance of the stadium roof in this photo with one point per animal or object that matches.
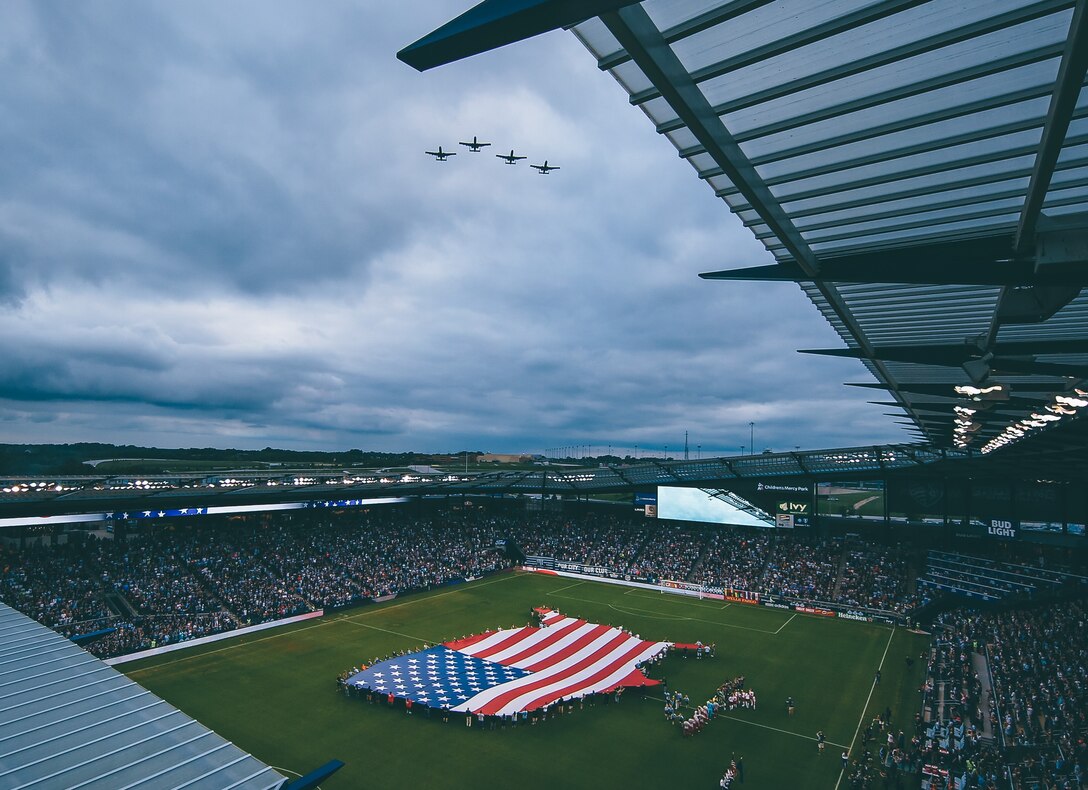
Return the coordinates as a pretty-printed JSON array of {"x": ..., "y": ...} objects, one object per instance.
[
  {"x": 69, "y": 720},
  {"x": 92, "y": 496},
  {"x": 919, "y": 167}
]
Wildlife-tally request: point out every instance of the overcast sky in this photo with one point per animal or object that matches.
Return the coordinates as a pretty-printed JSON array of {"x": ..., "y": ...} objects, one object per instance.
[{"x": 218, "y": 227}]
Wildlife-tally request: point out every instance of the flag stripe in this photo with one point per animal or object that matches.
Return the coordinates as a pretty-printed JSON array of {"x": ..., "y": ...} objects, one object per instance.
[
  {"x": 492, "y": 638},
  {"x": 525, "y": 638},
  {"x": 573, "y": 661},
  {"x": 574, "y": 645},
  {"x": 549, "y": 641},
  {"x": 461, "y": 644},
  {"x": 600, "y": 676}
]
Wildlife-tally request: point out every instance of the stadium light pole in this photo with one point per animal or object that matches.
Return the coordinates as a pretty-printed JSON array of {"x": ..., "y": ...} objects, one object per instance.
[{"x": 752, "y": 437}]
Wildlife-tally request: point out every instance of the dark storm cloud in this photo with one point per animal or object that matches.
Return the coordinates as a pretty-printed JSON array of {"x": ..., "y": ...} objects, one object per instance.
[{"x": 219, "y": 227}]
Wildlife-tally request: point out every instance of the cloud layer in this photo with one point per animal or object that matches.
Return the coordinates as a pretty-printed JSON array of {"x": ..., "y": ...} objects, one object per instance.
[{"x": 219, "y": 228}]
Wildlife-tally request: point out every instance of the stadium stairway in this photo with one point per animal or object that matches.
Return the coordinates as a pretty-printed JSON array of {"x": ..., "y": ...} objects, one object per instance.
[
  {"x": 697, "y": 566},
  {"x": 120, "y": 605},
  {"x": 978, "y": 662},
  {"x": 836, "y": 588}
]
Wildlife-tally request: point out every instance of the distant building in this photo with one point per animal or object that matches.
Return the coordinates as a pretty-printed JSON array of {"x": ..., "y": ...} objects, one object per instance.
[{"x": 505, "y": 458}]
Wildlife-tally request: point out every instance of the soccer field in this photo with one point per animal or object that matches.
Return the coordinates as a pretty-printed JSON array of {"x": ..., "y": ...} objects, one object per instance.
[{"x": 274, "y": 693}]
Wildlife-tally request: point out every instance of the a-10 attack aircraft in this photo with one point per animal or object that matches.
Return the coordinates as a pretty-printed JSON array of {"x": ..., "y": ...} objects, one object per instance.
[
  {"x": 509, "y": 158},
  {"x": 475, "y": 145},
  {"x": 442, "y": 156},
  {"x": 545, "y": 168}
]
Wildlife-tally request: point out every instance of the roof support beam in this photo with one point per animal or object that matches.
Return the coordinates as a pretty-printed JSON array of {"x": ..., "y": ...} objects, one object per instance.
[
  {"x": 697, "y": 24},
  {"x": 894, "y": 55},
  {"x": 904, "y": 124},
  {"x": 979, "y": 261},
  {"x": 942, "y": 205},
  {"x": 802, "y": 38},
  {"x": 890, "y": 154},
  {"x": 634, "y": 30},
  {"x": 990, "y": 157},
  {"x": 937, "y": 353},
  {"x": 638, "y": 35},
  {"x": 934, "y": 189},
  {"x": 1071, "y": 74},
  {"x": 496, "y": 23},
  {"x": 930, "y": 223},
  {"x": 950, "y": 79}
]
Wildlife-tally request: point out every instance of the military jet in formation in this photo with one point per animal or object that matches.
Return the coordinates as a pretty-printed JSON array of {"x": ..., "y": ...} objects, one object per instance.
[
  {"x": 441, "y": 155},
  {"x": 509, "y": 158},
  {"x": 476, "y": 146}
]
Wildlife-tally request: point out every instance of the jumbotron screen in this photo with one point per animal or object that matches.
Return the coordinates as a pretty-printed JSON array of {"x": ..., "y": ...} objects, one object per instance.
[{"x": 694, "y": 504}]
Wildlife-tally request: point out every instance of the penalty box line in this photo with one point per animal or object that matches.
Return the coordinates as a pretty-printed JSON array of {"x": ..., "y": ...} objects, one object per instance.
[
  {"x": 663, "y": 596},
  {"x": 331, "y": 621}
]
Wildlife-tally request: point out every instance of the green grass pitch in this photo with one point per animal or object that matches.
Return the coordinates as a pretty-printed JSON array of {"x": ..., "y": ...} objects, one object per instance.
[{"x": 274, "y": 693}]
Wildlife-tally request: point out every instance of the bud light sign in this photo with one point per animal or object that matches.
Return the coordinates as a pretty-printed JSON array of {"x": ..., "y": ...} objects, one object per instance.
[{"x": 1003, "y": 528}]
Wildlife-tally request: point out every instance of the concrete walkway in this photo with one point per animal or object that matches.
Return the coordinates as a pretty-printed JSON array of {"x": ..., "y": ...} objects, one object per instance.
[{"x": 978, "y": 663}]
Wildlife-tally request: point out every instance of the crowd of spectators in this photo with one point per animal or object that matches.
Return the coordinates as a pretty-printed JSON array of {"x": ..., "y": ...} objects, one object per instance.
[
  {"x": 802, "y": 568},
  {"x": 670, "y": 553},
  {"x": 1037, "y": 657},
  {"x": 735, "y": 559},
  {"x": 170, "y": 583},
  {"x": 179, "y": 580},
  {"x": 875, "y": 577},
  {"x": 600, "y": 540}
]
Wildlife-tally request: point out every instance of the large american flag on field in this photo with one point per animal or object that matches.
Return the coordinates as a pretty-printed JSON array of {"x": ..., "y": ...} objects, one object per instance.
[{"x": 516, "y": 669}]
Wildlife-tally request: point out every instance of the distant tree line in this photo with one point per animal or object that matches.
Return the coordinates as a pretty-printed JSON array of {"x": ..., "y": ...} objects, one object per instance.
[{"x": 68, "y": 459}]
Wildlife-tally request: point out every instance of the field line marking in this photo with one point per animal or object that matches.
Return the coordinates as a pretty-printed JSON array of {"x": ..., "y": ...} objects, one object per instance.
[
  {"x": 650, "y": 616},
  {"x": 686, "y": 599},
  {"x": 566, "y": 588},
  {"x": 865, "y": 708},
  {"x": 395, "y": 633},
  {"x": 776, "y": 729},
  {"x": 757, "y": 724},
  {"x": 636, "y": 612},
  {"x": 191, "y": 656},
  {"x": 783, "y": 626},
  {"x": 330, "y": 621}
]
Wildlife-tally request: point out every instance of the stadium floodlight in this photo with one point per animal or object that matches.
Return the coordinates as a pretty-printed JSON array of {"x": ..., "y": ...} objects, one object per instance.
[
  {"x": 1059, "y": 409},
  {"x": 992, "y": 392},
  {"x": 1065, "y": 400}
]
